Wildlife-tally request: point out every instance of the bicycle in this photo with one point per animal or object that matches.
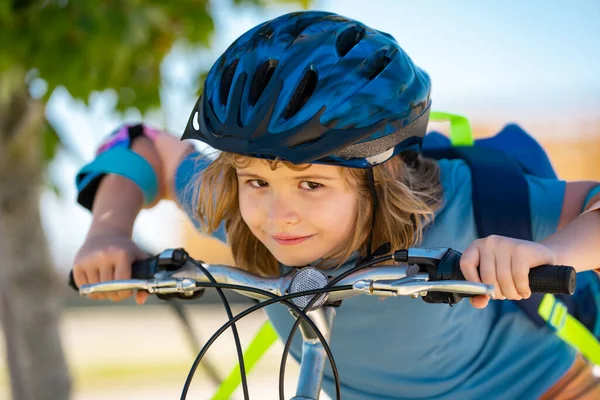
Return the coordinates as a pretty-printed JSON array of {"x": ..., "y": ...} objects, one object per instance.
[{"x": 312, "y": 296}]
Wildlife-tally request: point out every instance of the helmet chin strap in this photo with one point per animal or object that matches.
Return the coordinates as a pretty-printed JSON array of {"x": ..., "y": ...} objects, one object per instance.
[{"x": 371, "y": 183}]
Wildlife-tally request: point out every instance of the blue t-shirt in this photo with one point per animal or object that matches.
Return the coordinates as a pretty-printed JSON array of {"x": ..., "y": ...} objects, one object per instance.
[{"x": 403, "y": 348}]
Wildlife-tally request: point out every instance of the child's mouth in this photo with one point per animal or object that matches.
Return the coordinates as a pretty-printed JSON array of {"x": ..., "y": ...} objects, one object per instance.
[{"x": 285, "y": 240}]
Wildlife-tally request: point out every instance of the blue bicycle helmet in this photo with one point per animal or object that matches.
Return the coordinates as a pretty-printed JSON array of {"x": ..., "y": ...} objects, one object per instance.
[{"x": 313, "y": 87}]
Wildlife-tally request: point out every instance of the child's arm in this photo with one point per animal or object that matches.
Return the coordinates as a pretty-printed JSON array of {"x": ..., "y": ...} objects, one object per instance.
[
  {"x": 577, "y": 242},
  {"x": 108, "y": 250},
  {"x": 505, "y": 262}
]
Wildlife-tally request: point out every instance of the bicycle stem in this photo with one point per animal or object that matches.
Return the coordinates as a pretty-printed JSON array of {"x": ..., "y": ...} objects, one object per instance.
[{"x": 312, "y": 363}]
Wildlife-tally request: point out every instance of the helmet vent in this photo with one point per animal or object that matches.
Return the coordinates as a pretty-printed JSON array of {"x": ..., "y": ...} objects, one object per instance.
[
  {"x": 262, "y": 35},
  {"x": 348, "y": 39},
  {"x": 296, "y": 29},
  {"x": 261, "y": 80},
  {"x": 303, "y": 91},
  {"x": 377, "y": 65},
  {"x": 226, "y": 80}
]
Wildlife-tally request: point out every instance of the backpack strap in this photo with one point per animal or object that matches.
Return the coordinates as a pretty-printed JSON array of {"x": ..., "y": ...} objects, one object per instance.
[
  {"x": 500, "y": 196},
  {"x": 568, "y": 328},
  {"x": 500, "y": 192}
]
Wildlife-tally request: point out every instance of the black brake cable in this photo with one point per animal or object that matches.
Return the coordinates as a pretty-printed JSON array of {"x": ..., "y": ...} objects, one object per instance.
[
  {"x": 288, "y": 343},
  {"x": 236, "y": 336},
  {"x": 301, "y": 315},
  {"x": 274, "y": 299}
]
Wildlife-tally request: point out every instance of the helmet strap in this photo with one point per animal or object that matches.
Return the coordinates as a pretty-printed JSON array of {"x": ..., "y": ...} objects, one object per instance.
[{"x": 371, "y": 183}]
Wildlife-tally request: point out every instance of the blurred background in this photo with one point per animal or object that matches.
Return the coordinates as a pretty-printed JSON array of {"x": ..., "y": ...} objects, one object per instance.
[{"x": 71, "y": 72}]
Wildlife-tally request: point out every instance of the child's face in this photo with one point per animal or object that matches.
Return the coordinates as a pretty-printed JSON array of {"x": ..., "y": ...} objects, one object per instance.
[{"x": 300, "y": 216}]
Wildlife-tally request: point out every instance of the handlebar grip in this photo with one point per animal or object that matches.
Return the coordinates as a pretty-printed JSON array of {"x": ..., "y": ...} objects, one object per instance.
[
  {"x": 553, "y": 279},
  {"x": 141, "y": 269}
]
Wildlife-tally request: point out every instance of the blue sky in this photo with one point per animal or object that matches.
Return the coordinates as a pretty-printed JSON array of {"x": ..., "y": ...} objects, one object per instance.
[
  {"x": 498, "y": 54},
  {"x": 500, "y": 60}
]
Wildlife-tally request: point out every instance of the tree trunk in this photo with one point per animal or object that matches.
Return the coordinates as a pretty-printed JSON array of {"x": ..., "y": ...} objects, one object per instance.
[{"x": 29, "y": 294}]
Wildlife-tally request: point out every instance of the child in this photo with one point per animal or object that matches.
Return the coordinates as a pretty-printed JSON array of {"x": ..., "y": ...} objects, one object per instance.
[{"x": 319, "y": 121}]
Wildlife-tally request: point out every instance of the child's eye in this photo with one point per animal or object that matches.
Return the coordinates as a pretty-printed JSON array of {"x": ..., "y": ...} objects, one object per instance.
[
  {"x": 257, "y": 183},
  {"x": 312, "y": 186}
]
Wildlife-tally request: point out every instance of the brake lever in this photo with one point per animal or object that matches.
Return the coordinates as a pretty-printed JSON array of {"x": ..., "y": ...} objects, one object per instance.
[
  {"x": 419, "y": 285},
  {"x": 180, "y": 286},
  {"x": 115, "y": 286},
  {"x": 418, "y": 288}
]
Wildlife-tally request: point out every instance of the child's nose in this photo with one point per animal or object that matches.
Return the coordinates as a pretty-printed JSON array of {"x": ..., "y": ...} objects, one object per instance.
[{"x": 283, "y": 210}]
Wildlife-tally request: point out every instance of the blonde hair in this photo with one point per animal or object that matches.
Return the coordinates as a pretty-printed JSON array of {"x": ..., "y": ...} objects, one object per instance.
[{"x": 408, "y": 190}]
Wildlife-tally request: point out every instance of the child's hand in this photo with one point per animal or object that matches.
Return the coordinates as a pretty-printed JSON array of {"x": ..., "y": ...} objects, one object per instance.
[
  {"x": 106, "y": 257},
  {"x": 504, "y": 263}
]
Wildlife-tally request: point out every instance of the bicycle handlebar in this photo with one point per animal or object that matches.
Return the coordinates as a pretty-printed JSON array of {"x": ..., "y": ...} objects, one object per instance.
[{"x": 432, "y": 273}]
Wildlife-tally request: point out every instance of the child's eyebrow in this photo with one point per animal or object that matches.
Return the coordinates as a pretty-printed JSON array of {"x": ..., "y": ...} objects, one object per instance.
[
  {"x": 248, "y": 175},
  {"x": 300, "y": 177},
  {"x": 309, "y": 177}
]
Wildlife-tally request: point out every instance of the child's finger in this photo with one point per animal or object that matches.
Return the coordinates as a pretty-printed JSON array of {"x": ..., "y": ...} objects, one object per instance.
[
  {"x": 487, "y": 270},
  {"x": 93, "y": 276},
  {"x": 107, "y": 273},
  {"x": 504, "y": 275},
  {"x": 480, "y": 301},
  {"x": 469, "y": 262},
  {"x": 141, "y": 296},
  {"x": 520, "y": 274},
  {"x": 122, "y": 271}
]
